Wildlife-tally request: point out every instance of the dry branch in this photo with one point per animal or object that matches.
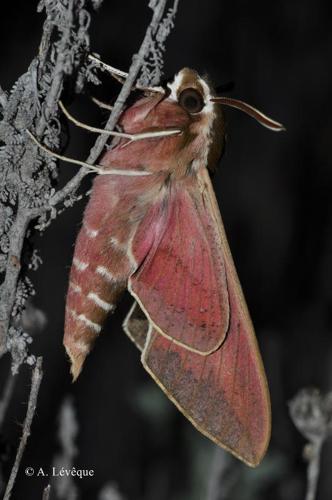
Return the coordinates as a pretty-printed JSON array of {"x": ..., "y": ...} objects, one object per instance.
[
  {"x": 26, "y": 176},
  {"x": 26, "y": 173},
  {"x": 6, "y": 397},
  {"x": 46, "y": 493},
  {"x": 37, "y": 375},
  {"x": 65, "y": 487},
  {"x": 312, "y": 415}
]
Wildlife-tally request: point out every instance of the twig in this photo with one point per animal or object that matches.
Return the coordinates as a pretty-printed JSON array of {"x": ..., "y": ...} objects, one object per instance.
[
  {"x": 59, "y": 70},
  {"x": 37, "y": 375},
  {"x": 312, "y": 415},
  {"x": 110, "y": 491},
  {"x": 65, "y": 487},
  {"x": 223, "y": 476},
  {"x": 6, "y": 397},
  {"x": 312, "y": 453},
  {"x": 3, "y": 98},
  {"x": 46, "y": 493}
]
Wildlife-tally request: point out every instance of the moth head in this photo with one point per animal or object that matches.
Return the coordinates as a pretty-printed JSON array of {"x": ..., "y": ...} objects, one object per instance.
[{"x": 193, "y": 94}]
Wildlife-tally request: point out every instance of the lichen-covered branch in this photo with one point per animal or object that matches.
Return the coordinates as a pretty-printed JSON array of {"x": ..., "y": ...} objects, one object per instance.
[
  {"x": 37, "y": 375},
  {"x": 27, "y": 174}
]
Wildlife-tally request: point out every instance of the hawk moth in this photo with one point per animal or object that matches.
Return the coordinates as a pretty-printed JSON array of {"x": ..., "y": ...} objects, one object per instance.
[{"x": 160, "y": 236}]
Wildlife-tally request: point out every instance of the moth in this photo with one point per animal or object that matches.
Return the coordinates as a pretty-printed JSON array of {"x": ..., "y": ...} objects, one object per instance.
[{"x": 153, "y": 227}]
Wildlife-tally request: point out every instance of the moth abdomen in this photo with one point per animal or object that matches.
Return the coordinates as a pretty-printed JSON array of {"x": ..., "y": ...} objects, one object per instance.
[
  {"x": 89, "y": 302},
  {"x": 98, "y": 277}
]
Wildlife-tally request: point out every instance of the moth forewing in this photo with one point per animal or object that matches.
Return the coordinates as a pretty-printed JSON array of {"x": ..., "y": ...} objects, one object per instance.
[
  {"x": 181, "y": 285},
  {"x": 223, "y": 393}
]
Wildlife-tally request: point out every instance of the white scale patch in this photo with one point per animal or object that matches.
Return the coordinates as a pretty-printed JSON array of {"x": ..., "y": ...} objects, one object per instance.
[
  {"x": 116, "y": 244},
  {"x": 80, "y": 265},
  {"x": 85, "y": 320},
  {"x": 100, "y": 302},
  {"x": 75, "y": 288},
  {"x": 106, "y": 274},
  {"x": 91, "y": 233}
]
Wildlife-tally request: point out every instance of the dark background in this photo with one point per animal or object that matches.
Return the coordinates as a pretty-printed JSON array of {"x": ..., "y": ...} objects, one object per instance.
[{"x": 274, "y": 193}]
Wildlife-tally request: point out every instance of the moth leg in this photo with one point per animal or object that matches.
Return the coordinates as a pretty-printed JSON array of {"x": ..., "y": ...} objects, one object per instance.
[
  {"x": 122, "y": 135},
  {"x": 121, "y": 76},
  {"x": 101, "y": 104},
  {"x": 99, "y": 169}
]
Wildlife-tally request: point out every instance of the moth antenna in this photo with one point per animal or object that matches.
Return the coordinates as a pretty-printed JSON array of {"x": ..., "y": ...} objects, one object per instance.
[
  {"x": 122, "y": 135},
  {"x": 121, "y": 76},
  {"x": 101, "y": 104},
  {"x": 100, "y": 169},
  {"x": 251, "y": 111}
]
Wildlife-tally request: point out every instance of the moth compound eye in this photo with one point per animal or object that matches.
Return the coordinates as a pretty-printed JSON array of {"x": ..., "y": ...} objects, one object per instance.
[{"x": 191, "y": 100}]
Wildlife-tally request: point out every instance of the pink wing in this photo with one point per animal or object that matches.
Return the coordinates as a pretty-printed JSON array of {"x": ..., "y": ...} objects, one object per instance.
[
  {"x": 224, "y": 394},
  {"x": 181, "y": 285}
]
